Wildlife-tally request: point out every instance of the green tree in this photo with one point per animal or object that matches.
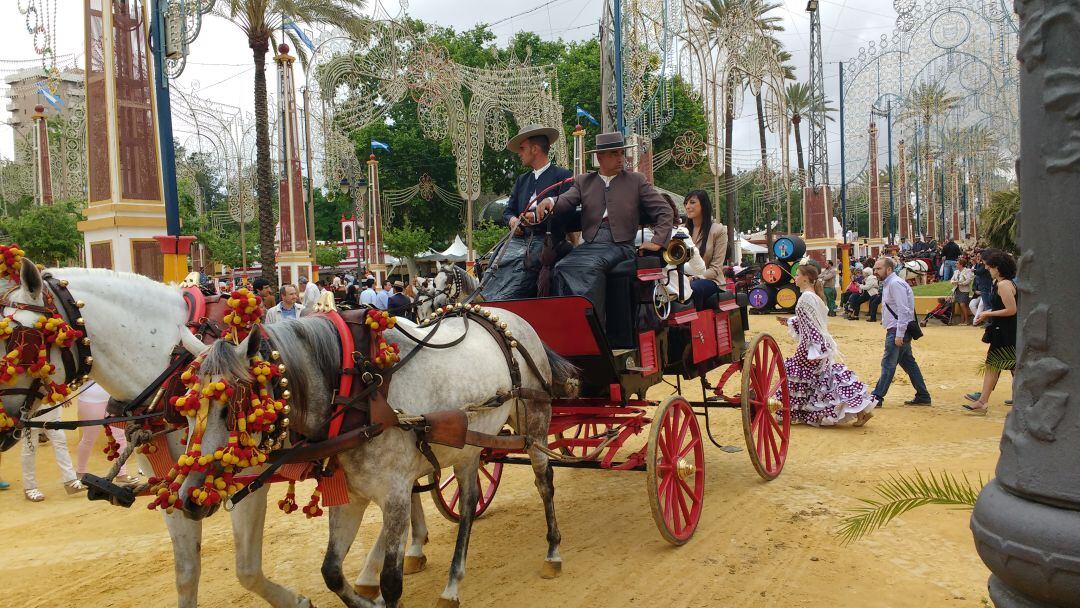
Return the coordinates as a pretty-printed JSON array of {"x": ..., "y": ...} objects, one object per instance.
[
  {"x": 329, "y": 255},
  {"x": 258, "y": 20},
  {"x": 487, "y": 235},
  {"x": 407, "y": 242},
  {"x": 224, "y": 246},
  {"x": 47, "y": 233},
  {"x": 998, "y": 220}
]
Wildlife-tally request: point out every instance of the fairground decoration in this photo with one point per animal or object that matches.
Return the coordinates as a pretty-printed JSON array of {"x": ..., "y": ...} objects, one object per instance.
[
  {"x": 28, "y": 354},
  {"x": 245, "y": 313},
  {"x": 387, "y": 353},
  {"x": 11, "y": 262}
]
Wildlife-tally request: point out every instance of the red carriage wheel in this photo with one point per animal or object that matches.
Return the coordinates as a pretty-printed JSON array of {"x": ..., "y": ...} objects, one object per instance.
[
  {"x": 588, "y": 430},
  {"x": 767, "y": 434},
  {"x": 676, "y": 470},
  {"x": 447, "y": 495}
]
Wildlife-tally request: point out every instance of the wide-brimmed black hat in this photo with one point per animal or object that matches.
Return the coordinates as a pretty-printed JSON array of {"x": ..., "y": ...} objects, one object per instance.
[
  {"x": 610, "y": 141},
  {"x": 532, "y": 130}
]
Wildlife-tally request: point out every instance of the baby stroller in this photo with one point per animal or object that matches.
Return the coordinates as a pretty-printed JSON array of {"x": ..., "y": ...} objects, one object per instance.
[{"x": 942, "y": 312}]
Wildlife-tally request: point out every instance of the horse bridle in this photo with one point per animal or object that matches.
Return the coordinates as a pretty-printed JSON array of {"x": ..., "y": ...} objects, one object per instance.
[{"x": 77, "y": 364}]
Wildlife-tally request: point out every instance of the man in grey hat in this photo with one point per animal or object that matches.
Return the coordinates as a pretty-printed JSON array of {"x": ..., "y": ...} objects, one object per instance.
[
  {"x": 614, "y": 203},
  {"x": 519, "y": 267}
]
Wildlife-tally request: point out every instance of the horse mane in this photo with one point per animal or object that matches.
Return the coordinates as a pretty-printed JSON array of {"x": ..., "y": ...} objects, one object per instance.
[{"x": 309, "y": 346}]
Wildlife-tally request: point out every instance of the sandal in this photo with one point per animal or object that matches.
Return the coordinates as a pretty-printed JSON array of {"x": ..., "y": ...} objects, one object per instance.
[
  {"x": 863, "y": 417},
  {"x": 74, "y": 486},
  {"x": 4, "y": 485},
  {"x": 34, "y": 495},
  {"x": 978, "y": 411}
]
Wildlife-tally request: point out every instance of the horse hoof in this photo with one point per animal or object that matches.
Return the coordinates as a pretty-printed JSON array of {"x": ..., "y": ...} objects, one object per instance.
[
  {"x": 369, "y": 591},
  {"x": 445, "y": 603},
  {"x": 415, "y": 563},
  {"x": 551, "y": 569}
]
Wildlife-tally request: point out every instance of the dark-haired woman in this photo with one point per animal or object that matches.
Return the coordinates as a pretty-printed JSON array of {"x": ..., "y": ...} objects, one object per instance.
[
  {"x": 711, "y": 240},
  {"x": 1000, "y": 332}
]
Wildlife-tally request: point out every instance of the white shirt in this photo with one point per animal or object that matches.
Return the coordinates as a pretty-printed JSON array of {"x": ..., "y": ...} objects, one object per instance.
[
  {"x": 311, "y": 295},
  {"x": 538, "y": 172},
  {"x": 607, "y": 184}
]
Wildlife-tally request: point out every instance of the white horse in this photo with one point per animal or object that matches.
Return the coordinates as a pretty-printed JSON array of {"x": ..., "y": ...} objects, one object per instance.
[
  {"x": 452, "y": 285},
  {"x": 134, "y": 323},
  {"x": 384, "y": 468},
  {"x": 914, "y": 271}
]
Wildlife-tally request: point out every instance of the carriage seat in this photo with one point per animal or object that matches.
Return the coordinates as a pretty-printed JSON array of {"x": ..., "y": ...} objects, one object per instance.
[{"x": 725, "y": 296}]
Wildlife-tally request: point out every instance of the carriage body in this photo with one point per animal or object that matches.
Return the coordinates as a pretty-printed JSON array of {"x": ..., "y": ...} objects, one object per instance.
[{"x": 617, "y": 368}]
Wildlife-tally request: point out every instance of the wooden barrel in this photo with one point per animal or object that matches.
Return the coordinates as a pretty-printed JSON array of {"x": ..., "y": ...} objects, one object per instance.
[
  {"x": 762, "y": 297},
  {"x": 786, "y": 297},
  {"x": 789, "y": 248},
  {"x": 776, "y": 273}
]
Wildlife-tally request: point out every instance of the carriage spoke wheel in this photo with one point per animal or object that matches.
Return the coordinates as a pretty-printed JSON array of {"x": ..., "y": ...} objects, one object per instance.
[
  {"x": 766, "y": 406},
  {"x": 447, "y": 495},
  {"x": 588, "y": 430},
  {"x": 676, "y": 470}
]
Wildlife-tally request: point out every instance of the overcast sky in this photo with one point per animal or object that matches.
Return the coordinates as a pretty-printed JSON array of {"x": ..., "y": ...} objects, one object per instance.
[{"x": 221, "y": 62}]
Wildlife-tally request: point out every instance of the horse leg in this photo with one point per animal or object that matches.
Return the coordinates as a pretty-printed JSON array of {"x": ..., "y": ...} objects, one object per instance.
[
  {"x": 186, "y": 536},
  {"x": 470, "y": 493},
  {"x": 248, "y": 524},
  {"x": 395, "y": 510},
  {"x": 367, "y": 584},
  {"x": 415, "y": 560},
  {"x": 538, "y": 419},
  {"x": 344, "y": 523}
]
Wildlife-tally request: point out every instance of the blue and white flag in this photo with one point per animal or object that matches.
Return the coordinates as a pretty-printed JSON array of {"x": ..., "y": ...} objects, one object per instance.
[
  {"x": 301, "y": 35},
  {"x": 54, "y": 100},
  {"x": 587, "y": 116},
  {"x": 379, "y": 144}
]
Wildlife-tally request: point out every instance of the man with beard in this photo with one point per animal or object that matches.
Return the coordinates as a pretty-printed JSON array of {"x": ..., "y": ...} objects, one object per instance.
[{"x": 518, "y": 269}]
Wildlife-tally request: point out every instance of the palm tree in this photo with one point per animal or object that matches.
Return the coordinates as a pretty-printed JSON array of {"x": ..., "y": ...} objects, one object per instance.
[
  {"x": 787, "y": 72},
  {"x": 718, "y": 13},
  {"x": 800, "y": 102},
  {"x": 258, "y": 20},
  {"x": 925, "y": 102}
]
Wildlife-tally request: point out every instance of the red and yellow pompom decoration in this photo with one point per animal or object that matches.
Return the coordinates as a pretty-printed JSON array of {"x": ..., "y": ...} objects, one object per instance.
[
  {"x": 245, "y": 310},
  {"x": 253, "y": 412},
  {"x": 11, "y": 262},
  {"x": 288, "y": 504},
  {"x": 6, "y": 422},
  {"x": 312, "y": 508},
  {"x": 54, "y": 331},
  {"x": 112, "y": 446},
  {"x": 386, "y": 353}
]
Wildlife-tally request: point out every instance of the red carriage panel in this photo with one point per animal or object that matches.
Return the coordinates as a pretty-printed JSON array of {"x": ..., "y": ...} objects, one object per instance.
[
  {"x": 560, "y": 322},
  {"x": 703, "y": 335},
  {"x": 649, "y": 357},
  {"x": 723, "y": 334}
]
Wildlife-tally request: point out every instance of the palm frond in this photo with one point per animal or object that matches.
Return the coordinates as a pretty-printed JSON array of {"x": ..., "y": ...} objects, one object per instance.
[
  {"x": 1001, "y": 359},
  {"x": 900, "y": 494}
]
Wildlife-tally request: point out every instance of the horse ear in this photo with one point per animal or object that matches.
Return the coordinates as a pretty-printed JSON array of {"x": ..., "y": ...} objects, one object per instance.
[
  {"x": 253, "y": 341},
  {"x": 31, "y": 279},
  {"x": 192, "y": 344}
]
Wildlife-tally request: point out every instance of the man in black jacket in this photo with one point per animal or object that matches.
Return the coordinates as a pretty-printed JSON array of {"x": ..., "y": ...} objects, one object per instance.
[
  {"x": 516, "y": 274},
  {"x": 951, "y": 252}
]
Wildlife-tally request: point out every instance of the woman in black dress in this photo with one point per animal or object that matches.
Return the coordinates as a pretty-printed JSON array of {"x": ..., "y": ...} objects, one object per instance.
[{"x": 1000, "y": 332}]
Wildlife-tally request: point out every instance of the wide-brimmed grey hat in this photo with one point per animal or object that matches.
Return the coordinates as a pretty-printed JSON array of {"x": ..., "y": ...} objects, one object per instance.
[
  {"x": 531, "y": 131},
  {"x": 610, "y": 141}
]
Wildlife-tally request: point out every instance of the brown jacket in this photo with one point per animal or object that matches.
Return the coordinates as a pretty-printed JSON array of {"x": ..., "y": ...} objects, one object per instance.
[
  {"x": 715, "y": 253},
  {"x": 628, "y": 198}
]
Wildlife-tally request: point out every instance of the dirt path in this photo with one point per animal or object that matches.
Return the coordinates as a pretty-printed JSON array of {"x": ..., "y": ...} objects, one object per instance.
[{"x": 759, "y": 544}]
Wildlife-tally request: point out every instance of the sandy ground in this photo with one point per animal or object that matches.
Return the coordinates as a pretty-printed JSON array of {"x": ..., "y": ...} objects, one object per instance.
[{"x": 759, "y": 544}]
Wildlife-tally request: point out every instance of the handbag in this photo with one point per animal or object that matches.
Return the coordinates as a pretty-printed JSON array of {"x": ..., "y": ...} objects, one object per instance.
[{"x": 914, "y": 330}]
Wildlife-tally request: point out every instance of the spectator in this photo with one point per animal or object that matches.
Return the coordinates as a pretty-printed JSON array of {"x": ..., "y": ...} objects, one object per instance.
[
  {"x": 368, "y": 296},
  {"x": 962, "y": 280},
  {"x": 1000, "y": 332},
  {"x": 400, "y": 304},
  {"x": 60, "y": 450},
  {"x": 310, "y": 292},
  {"x": 288, "y": 308},
  {"x": 828, "y": 281},
  {"x": 382, "y": 298},
  {"x": 262, "y": 289},
  {"x": 982, "y": 285},
  {"x": 898, "y": 311},
  {"x": 867, "y": 290},
  {"x": 951, "y": 252},
  {"x": 352, "y": 294},
  {"x": 905, "y": 246},
  {"x": 92, "y": 403}
]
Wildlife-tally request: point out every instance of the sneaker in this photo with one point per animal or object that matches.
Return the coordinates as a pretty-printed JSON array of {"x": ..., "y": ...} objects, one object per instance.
[{"x": 4, "y": 485}]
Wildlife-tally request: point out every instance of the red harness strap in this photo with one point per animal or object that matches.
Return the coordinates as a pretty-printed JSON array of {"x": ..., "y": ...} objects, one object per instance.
[{"x": 333, "y": 489}]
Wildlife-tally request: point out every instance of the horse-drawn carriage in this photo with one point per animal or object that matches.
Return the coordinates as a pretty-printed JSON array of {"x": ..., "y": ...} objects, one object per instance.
[{"x": 621, "y": 358}]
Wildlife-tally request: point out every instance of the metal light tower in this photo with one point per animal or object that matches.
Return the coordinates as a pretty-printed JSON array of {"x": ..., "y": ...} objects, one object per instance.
[{"x": 819, "y": 151}]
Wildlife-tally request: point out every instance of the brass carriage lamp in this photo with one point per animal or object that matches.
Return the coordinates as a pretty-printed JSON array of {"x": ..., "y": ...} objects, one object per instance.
[{"x": 811, "y": 6}]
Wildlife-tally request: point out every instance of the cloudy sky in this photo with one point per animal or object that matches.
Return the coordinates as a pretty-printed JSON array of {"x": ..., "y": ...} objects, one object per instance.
[{"x": 220, "y": 61}]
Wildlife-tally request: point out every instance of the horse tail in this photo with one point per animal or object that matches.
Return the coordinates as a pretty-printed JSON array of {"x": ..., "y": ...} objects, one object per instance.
[{"x": 564, "y": 375}]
